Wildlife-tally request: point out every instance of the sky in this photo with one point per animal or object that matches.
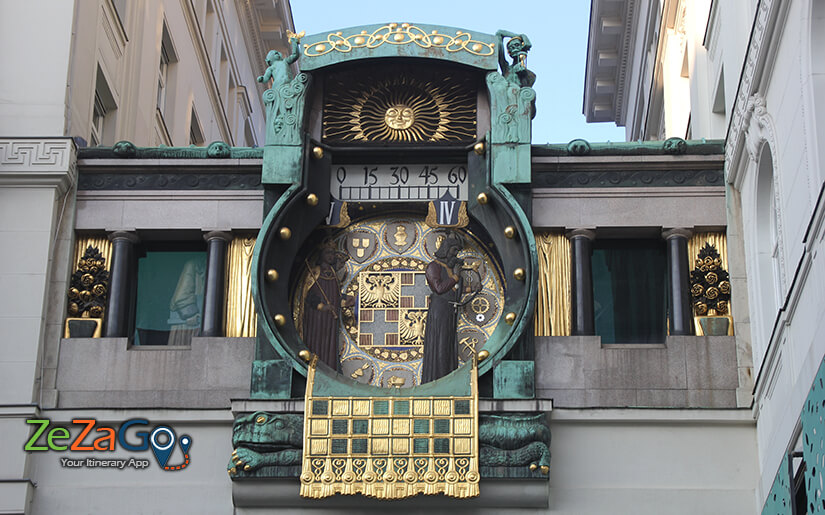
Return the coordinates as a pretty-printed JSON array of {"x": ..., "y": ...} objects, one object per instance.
[{"x": 557, "y": 29}]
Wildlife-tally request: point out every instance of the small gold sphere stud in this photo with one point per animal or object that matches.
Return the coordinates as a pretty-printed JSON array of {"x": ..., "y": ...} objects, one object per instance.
[
  {"x": 478, "y": 148},
  {"x": 317, "y": 152},
  {"x": 482, "y": 198},
  {"x": 510, "y": 318},
  {"x": 509, "y": 232},
  {"x": 518, "y": 273},
  {"x": 285, "y": 233},
  {"x": 545, "y": 469},
  {"x": 312, "y": 199},
  {"x": 260, "y": 420},
  {"x": 272, "y": 275},
  {"x": 305, "y": 355},
  {"x": 482, "y": 355},
  {"x": 533, "y": 466},
  {"x": 280, "y": 320}
]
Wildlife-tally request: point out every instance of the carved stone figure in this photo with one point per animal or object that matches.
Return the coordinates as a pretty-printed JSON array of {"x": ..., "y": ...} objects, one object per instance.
[
  {"x": 514, "y": 441},
  {"x": 517, "y": 48},
  {"x": 444, "y": 279},
  {"x": 321, "y": 304},
  {"x": 266, "y": 439}
]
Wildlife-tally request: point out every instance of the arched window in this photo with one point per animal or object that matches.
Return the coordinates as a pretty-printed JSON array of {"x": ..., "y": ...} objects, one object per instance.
[{"x": 769, "y": 246}]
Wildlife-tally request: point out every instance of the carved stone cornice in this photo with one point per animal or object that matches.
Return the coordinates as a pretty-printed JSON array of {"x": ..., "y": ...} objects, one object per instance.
[
  {"x": 38, "y": 162},
  {"x": 768, "y": 13}
]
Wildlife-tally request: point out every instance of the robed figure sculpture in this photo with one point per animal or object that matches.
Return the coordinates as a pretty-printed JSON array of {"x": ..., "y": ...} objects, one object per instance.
[
  {"x": 322, "y": 302},
  {"x": 444, "y": 279}
]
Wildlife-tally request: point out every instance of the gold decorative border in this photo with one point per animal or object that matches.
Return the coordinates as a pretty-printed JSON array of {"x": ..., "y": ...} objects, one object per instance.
[
  {"x": 386, "y": 464},
  {"x": 399, "y": 34}
]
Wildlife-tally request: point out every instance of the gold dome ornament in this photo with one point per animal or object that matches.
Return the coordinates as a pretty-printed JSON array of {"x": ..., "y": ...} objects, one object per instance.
[
  {"x": 312, "y": 200},
  {"x": 272, "y": 275},
  {"x": 482, "y": 198},
  {"x": 285, "y": 233},
  {"x": 510, "y": 318},
  {"x": 509, "y": 232},
  {"x": 519, "y": 274},
  {"x": 279, "y": 319},
  {"x": 305, "y": 355},
  {"x": 479, "y": 149},
  {"x": 482, "y": 355}
]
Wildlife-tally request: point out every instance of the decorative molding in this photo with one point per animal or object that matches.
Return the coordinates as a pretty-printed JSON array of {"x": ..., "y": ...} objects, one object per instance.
[
  {"x": 627, "y": 179},
  {"x": 168, "y": 181},
  {"x": 38, "y": 162},
  {"x": 765, "y": 20},
  {"x": 624, "y": 56},
  {"x": 110, "y": 19}
]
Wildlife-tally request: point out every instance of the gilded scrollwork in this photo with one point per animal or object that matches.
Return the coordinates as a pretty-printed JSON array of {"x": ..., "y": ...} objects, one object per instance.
[{"x": 399, "y": 34}]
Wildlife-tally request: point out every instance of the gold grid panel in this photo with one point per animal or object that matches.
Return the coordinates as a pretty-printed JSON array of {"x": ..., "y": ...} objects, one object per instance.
[
  {"x": 391, "y": 426},
  {"x": 391, "y": 447}
]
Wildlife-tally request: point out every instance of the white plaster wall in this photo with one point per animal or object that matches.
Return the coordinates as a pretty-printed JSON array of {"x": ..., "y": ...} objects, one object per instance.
[
  {"x": 786, "y": 355},
  {"x": 652, "y": 462},
  {"x": 203, "y": 487},
  {"x": 35, "y": 66}
]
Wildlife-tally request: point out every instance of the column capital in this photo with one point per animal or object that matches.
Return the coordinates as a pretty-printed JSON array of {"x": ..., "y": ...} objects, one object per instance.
[
  {"x": 124, "y": 235},
  {"x": 590, "y": 234},
  {"x": 217, "y": 235},
  {"x": 677, "y": 232}
]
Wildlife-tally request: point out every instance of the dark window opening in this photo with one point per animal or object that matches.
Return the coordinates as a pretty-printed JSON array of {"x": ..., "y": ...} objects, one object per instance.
[
  {"x": 629, "y": 290},
  {"x": 171, "y": 280}
]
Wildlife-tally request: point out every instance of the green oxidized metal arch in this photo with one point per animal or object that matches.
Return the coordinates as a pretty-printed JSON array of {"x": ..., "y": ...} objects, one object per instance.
[{"x": 504, "y": 161}]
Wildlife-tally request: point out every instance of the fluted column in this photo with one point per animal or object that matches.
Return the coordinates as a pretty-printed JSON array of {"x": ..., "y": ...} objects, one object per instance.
[
  {"x": 581, "y": 250},
  {"x": 680, "y": 315},
  {"x": 121, "y": 272},
  {"x": 215, "y": 288}
]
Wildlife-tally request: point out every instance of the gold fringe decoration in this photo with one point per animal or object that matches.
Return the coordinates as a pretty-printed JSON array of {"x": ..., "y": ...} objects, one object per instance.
[
  {"x": 241, "y": 318},
  {"x": 101, "y": 242},
  {"x": 553, "y": 304}
]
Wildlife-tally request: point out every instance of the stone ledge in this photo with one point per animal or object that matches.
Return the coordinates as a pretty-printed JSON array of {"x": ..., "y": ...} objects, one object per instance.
[{"x": 495, "y": 493}]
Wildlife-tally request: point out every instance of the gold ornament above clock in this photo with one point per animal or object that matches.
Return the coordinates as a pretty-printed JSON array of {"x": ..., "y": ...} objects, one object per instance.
[{"x": 397, "y": 105}]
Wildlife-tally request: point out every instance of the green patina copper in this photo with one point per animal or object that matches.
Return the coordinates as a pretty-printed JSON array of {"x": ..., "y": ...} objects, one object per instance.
[
  {"x": 266, "y": 445},
  {"x": 270, "y": 445},
  {"x": 672, "y": 146},
  {"x": 512, "y": 107},
  {"x": 271, "y": 379},
  {"x": 399, "y": 39},
  {"x": 514, "y": 380},
  {"x": 127, "y": 150}
]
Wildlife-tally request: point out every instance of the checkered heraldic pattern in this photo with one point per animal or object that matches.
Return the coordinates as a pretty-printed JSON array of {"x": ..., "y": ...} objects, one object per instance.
[{"x": 390, "y": 447}]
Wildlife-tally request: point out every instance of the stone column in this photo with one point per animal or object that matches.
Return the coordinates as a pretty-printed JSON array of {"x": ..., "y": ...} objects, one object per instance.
[
  {"x": 680, "y": 315},
  {"x": 214, "y": 292},
  {"x": 581, "y": 275},
  {"x": 121, "y": 294}
]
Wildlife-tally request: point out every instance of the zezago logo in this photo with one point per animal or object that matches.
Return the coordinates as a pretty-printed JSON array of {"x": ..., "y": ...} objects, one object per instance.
[{"x": 161, "y": 439}]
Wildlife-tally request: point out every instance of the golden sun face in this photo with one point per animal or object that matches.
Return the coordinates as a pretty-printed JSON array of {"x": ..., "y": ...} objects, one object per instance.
[
  {"x": 400, "y": 105},
  {"x": 399, "y": 117}
]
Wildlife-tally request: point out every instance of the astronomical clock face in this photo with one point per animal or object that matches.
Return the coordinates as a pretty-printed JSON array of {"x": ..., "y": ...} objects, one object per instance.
[{"x": 381, "y": 331}]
